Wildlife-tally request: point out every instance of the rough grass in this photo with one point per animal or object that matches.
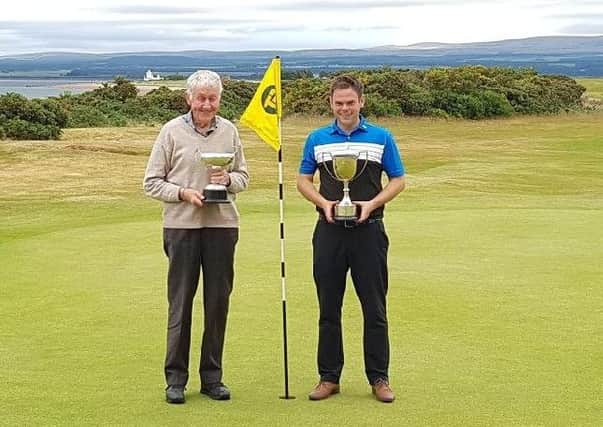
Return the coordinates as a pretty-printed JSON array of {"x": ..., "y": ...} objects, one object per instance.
[
  {"x": 495, "y": 283},
  {"x": 594, "y": 91}
]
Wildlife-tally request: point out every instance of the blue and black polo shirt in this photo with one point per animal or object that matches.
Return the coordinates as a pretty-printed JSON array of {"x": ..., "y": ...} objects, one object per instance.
[{"x": 371, "y": 142}]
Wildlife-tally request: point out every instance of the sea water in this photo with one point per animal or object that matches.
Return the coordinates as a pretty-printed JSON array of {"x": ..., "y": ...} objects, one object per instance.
[{"x": 43, "y": 88}]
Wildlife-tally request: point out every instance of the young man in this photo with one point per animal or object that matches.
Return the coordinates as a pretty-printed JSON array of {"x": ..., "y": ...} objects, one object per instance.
[
  {"x": 196, "y": 235},
  {"x": 359, "y": 246}
]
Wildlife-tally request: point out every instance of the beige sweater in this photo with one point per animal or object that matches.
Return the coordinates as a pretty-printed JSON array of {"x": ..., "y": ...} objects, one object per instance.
[{"x": 174, "y": 164}]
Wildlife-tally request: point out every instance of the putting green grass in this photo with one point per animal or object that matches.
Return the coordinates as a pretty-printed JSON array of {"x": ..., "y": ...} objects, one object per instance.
[{"x": 495, "y": 297}]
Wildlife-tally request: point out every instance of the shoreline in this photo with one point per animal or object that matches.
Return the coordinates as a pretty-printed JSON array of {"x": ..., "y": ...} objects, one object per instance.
[
  {"x": 142, "y": 87},
  {"x": 52, "y": 87},
  {"x": 80, "y": 86}
]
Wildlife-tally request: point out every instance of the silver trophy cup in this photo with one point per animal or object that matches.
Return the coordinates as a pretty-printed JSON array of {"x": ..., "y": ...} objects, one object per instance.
[
  {"x": 216, "y": 193},
  {"x": 344, "y": 170}
]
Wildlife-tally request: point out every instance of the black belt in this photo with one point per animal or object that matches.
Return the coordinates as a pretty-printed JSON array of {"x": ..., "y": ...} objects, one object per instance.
[{"x": 349, "y": 223}]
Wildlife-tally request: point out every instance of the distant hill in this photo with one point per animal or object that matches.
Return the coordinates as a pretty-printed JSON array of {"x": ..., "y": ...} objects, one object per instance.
[
  {"x": 573, "y": 56},
  {"x": 535, "y": 45},
  {"x": 424, "y": 45}
]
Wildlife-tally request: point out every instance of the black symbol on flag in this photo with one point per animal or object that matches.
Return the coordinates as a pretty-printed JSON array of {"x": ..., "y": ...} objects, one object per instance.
[{"x": 269, "y": 99}]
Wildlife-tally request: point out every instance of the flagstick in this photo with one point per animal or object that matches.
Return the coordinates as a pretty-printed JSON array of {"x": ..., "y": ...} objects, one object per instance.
[
  {"x": 283, "y": 286},
  {"x": 264, "y": 107}
]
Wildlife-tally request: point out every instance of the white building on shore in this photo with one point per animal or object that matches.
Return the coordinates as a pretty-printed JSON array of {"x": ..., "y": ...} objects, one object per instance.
[{"x": 148, "y": 76}]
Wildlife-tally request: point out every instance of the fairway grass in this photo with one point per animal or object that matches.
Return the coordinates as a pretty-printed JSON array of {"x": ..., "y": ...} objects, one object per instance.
[{"x": 495, "y": 298}]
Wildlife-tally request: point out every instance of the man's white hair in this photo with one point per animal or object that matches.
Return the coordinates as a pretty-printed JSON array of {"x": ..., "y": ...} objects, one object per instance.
[{"x": 203, "y": 79}]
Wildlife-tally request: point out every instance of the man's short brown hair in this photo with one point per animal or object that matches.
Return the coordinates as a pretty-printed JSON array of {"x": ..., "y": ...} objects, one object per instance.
[{"x": 346, "y": 82}]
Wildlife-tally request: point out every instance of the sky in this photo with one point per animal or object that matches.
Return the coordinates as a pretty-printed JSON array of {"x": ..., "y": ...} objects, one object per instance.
[{"x": 231, "y": 25}]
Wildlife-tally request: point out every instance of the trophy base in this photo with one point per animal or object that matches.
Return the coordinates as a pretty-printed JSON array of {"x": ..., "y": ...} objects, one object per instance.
[
  {"x": 345, "y": 218},
  {"x": 215, "y": 196},
  {"x": 345, "y": 213}
]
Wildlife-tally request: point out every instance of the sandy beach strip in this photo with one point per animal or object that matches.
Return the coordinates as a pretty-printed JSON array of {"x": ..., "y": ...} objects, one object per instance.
[
  {"x": 142, "y": 87},
  {"x": 78, "y": 86}
]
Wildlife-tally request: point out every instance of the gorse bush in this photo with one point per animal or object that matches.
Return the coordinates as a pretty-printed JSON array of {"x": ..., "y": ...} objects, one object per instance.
[
  {"x": 118, "y": 104},
  {"x": 473, "y": 92},
  {"x": 25, "y": 130},
  {"x": 21, "y": 118},
  {"x": 306, "y": 96}
]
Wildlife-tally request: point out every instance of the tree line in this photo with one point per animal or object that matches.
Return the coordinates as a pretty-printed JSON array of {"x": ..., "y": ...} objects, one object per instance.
[{"x": 471, "y": 92}]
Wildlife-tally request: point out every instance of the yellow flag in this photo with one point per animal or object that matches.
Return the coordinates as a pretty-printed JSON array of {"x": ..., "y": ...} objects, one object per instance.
[{"x": 265, "y": 108}]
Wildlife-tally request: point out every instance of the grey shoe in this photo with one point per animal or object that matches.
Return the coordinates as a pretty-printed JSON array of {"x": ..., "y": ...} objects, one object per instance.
[
  {"x": 174, "y": 394},
  {"x": 216, "y": 391}
]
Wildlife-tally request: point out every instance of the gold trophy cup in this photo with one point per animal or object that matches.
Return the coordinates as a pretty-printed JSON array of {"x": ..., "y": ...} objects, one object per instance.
[
  {"x": 344, "y": 170},
  {"x": 216, "y": 193}
]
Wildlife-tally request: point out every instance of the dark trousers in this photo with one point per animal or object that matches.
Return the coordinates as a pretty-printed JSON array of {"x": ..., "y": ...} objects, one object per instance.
[
  {"x": 189, "y": 251},
  {"x": 363, "y": 251}
]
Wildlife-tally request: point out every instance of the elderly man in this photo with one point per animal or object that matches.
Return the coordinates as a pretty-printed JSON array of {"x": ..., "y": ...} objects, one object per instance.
[{"x": 197, "y": 236}]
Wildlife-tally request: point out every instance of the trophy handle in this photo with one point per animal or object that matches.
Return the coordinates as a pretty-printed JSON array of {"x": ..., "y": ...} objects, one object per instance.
[
  {"x": 228, "y": 167},
  {"x": 363, "y": 166},
  {"x": 322, "y": 159}
]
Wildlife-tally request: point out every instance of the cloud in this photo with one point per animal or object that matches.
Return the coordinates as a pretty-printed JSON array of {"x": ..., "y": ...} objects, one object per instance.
[
  {"x": 153, "y": 10},
  {"x": 271, "y": 28},
  {"x": 581, "y": 16},
  {"x": 356, "y": 5},
  {"x": 104, "y": 28},
  {"x": 153, "y": 30},
  {"x": 584, "y": 27},
  {"x": 348, "y": 28},
  {"x": 121, "y": 25},
  {"x": 93, "y": 36}
]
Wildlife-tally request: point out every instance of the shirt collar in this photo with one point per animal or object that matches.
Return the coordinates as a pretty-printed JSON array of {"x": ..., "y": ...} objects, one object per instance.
[
  {"x": 188, "y": 118},
  {"x": 362, "y": 127}
]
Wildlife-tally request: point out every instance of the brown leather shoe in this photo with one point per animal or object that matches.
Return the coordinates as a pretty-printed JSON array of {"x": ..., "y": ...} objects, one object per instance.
[
  {"x": 382, "y": 391},
  {"x": 323, "y": 390}
]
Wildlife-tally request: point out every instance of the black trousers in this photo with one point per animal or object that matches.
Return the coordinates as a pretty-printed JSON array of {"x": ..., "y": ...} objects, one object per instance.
[
  {"x": 363, "y": 251},
  {"x": 189, "y": 251}
]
